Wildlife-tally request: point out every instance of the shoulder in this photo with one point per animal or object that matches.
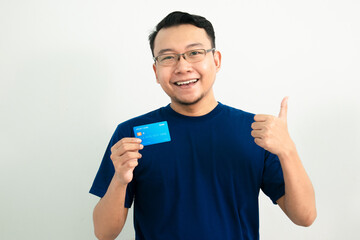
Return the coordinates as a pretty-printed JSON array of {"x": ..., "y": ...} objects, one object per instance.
[{"x": 233, "y": 112}]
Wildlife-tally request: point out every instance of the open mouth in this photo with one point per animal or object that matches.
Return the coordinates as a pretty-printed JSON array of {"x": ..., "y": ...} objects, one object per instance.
[{"x": 188, "y": 82}]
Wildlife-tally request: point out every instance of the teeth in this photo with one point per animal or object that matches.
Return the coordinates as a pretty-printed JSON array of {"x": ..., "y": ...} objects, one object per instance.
[{"x": 186, "y": 82}]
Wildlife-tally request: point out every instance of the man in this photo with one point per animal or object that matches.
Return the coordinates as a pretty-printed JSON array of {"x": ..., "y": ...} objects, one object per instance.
[{"x": 203, "y": 181}]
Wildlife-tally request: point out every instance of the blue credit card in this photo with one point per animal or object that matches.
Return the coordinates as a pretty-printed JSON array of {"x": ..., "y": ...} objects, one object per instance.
[{"x": 153, "y": 133}]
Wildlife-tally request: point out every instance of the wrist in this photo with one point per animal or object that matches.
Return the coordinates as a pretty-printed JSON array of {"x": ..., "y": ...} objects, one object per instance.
[
  {"x": 118, "y": 181},
  {"x": 288, "y": 151}
]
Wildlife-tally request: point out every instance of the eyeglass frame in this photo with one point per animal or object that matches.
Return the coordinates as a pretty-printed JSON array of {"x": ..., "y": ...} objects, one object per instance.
[{"x": 183, "y": 54}]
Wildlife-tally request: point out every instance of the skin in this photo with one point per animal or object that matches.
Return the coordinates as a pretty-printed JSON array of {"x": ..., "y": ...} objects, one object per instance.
[
  {"x": 110, "y": 214},
  {"x": 198, "y": 99},
  {"x": 271, "y": 133}
]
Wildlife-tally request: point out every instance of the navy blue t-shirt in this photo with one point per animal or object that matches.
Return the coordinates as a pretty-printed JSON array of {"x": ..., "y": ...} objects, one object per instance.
[{"x": 204, "y": 183}]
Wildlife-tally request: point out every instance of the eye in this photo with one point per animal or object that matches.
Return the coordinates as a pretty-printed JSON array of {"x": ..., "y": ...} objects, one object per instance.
[
  {"x": 166, "y": 58},
  {"x": 194, "y": 53}
]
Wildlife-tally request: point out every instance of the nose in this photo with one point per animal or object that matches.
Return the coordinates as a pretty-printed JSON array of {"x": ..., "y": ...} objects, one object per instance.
[
  {"x": 181, "y": 56},
  {"x": 182, "y": 65}
]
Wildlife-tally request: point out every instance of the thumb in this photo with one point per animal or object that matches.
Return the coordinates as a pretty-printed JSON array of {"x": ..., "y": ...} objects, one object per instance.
[{"x": 283, "y": 108}]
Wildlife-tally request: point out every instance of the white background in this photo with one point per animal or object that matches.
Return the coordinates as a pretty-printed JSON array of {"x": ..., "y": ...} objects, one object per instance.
[{"x": 71, "y": 70}]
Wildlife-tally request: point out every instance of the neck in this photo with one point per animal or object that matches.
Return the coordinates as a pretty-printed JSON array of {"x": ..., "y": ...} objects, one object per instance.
[{"x": 200, "y": 108}]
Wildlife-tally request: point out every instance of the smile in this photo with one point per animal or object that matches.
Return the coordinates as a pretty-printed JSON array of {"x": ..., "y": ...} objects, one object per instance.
[{"x": 186, "y": 82}]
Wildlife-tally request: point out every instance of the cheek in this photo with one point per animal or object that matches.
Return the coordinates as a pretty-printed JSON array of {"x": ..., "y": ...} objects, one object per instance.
[
  {"x": 206, "y": 66},
  {"x": 206, "y": 69},
  {"x": 162, "y": 76}
]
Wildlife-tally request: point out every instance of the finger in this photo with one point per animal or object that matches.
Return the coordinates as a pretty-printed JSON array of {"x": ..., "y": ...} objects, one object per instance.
[
  {"x": 124, "y": 141},
  {"x": 259, "y": 142},
  {"x": 129, "y": 156},
  {"x": 132, "y": 163},
  {"x": 257, "y": 125},
  {"x": 120, "y": 160},
  {"x": 261, "y": 117},
  {"x": 283, "y": 108},
  {"x": 256, "y": 133},
  {"x": 128, "y": 147}
]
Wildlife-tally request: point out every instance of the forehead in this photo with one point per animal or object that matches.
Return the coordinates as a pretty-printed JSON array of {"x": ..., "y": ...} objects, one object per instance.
[{"x": 178, "y": 38}]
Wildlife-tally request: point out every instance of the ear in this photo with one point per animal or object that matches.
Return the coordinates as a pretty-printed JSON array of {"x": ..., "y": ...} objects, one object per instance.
[
  {"x": 217, "y": 60},
  {"x": 155, "y": 71}
]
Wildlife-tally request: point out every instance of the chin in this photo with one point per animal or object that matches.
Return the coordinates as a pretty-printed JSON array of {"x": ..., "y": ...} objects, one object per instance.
[{"x": 187, "y": 102}]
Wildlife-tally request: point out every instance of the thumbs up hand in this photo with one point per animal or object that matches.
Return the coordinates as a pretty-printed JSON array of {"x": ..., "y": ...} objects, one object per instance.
[{"x": 271, "y": 133}]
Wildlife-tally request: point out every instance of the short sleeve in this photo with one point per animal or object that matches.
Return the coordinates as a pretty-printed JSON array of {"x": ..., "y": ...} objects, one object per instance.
[
  {"x": 106, "y": 171},
  {"x": 104, "y": 174},
  {"x": 273, "y": 180}
]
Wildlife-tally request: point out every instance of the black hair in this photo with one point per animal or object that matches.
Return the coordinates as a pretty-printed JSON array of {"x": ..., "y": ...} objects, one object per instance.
[{"x": 178, "y": 18}]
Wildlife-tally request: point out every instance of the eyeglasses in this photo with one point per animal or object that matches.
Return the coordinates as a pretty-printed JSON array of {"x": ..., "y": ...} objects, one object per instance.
[{"x": 192, "y": 56}]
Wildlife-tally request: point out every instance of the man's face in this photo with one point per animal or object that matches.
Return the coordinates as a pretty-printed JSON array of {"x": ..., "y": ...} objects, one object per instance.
[{"x": 180, "y": 39}]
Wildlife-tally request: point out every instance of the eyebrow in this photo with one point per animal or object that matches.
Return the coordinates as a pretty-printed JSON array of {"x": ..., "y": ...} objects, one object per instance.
[{"x": 162, "y": 51}]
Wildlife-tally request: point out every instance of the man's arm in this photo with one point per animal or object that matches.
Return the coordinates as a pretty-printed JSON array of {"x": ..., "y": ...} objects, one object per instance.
[
  {"x": 110, "y": 213},
  {"x": 271, "y": 133},
  {"x": 298, "y": 203}
]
